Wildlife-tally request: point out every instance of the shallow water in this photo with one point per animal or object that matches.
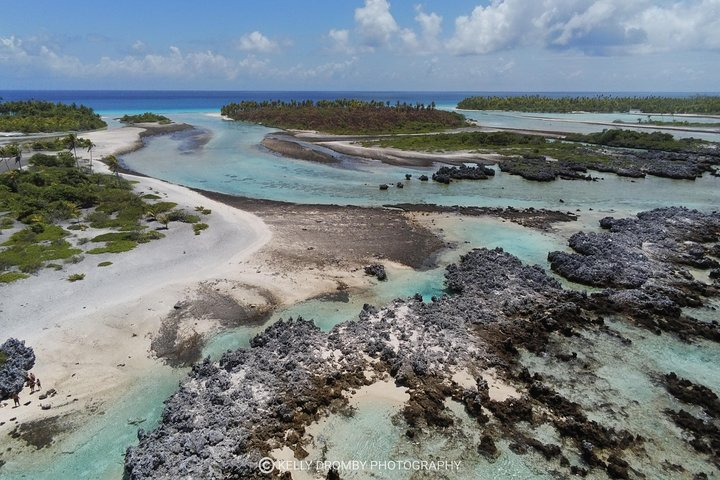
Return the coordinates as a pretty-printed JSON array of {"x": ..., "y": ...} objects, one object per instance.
[
  {"x": 622, "y": 390},
  {"x": 97, "y": 449},
  {"x": 233, "y": 163},
  {"x": 580, "y": 122},
  {"x": 527, "y": 244}
]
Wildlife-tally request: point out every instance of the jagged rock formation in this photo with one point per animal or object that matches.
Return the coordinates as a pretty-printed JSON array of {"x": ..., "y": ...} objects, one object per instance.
[
  {"x": 642, "y": 261},
  {"x": 463, "y": 172},
  {"x": 377, "y": 271},
  {"x": 19, "y": 359},
  {"x": 228, "y": 415}
]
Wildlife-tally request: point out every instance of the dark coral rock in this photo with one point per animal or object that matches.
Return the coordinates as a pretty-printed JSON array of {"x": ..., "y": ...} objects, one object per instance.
[{"x": 377, "y": 271}]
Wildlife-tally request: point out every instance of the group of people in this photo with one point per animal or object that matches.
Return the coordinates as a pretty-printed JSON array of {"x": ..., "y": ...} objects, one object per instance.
[{"x": 30, "y": 381}]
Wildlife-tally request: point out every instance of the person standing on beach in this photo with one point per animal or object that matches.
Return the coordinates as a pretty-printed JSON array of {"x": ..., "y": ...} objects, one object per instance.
[{"x": 16, "y": 399}]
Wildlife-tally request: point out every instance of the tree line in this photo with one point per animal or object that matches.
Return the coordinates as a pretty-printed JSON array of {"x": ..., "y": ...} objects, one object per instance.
[
  {"x": 345, "y": 116},
  {"x": 35, "y": 116},
  {"x": 697, "y": 104}
]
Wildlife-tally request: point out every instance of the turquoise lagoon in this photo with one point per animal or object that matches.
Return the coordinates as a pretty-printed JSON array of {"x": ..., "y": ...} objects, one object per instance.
[{"x": 232, "y": 162}]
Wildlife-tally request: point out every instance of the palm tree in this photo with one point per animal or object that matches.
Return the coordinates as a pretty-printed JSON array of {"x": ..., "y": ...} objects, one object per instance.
[
  {"x": 113, "y": 164},
  {"x": 12, "y": 177},
  {"x": 71, "y": 142},
  {"x": 90, "y": 145}
]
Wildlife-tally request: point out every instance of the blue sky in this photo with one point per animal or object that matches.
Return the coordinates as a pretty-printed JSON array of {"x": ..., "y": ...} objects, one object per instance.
[{"x": 481, "y": 45}]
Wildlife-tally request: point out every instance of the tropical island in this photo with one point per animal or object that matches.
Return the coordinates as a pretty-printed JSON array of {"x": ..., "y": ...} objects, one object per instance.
[
  {"x": 699, "y": 104},
  {"x": 147, "y": 117},
  {"x": 156, "y": 307},
  {"x": 35, "y": 116},
  {"x": 345, "y": 116}
]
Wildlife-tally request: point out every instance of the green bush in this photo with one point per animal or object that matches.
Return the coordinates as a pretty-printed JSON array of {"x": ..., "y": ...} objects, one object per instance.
[
  {"x": 183, "y": 216},
  {"x": 116, "y": 246},
  {"x": 104, "y": 264},
  {"x": 75, "y": 277},
  {"x": 9, "y": 277},
  {"x": 199, "y": 227}
]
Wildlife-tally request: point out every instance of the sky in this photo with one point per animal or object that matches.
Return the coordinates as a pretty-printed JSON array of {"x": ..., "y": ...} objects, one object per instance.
[{"x": 451, "y": 45}]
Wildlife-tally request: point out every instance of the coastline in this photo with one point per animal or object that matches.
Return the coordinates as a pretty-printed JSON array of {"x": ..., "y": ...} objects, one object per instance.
[{"x": 94, "y": 339}]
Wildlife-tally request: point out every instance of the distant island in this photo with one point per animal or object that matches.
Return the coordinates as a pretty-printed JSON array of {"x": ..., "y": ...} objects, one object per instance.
[
  {"x": 35, "y": 116},
  {"x": 346, "y": 116},
  {"x": 146, "y": 117},
  {"x": 698, "y": 104}
]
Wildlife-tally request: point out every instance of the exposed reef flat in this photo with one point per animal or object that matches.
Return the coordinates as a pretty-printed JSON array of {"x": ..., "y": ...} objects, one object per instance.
[
  {"x": 229, "y": 415},
  {"x": 622, "y": 162},
  {"x": 539, "y": 218},
  {"x": 626, "y": 162},
  {"x": 282, "y": 146},
  {"x": 644, "y": 262},
  {"x": 330, "y": 235}
]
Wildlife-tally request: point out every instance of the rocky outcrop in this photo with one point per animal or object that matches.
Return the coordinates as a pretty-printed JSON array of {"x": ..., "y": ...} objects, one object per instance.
[
  {"x": 641, "y": 261},
  {"x": 228, "y": 415},
  {"x": 16, "y": 359},
  {"x": 623, "y": 162},
  {"x": 376, "y": 270},
  {"x": 463, "y": 172},
  {"x": 703, "y": 434},
  {"x": 541, "y": 170}
]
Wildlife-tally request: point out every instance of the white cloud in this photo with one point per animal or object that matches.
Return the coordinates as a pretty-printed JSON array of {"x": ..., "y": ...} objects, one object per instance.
[
  {"x": 375, "y": 23},
  {"x": 430, "y": 24},
  {"x": 326, "y": 70},
  {"x": 173, "y": 64},
  {"x": 11, "y": 50},
  {"x": 256, "y": 42},
  {"x": 592, "y": 26},
  {"x": 340, "y": 41},
  {"x": 487, "y": 29},
  {"x": 138, "y": 46},
  {"x": 427, "y": 40}
]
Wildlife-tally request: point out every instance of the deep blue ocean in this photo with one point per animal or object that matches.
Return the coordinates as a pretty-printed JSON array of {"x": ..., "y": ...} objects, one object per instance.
[{"x": 130, "y": 101}]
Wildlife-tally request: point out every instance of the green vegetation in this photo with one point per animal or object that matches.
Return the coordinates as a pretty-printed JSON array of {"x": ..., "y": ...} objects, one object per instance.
[
  {"x": 700, "y": 104},
  {"x": 3, "y": 356},
  {"x": 9, "y": 277},
  {"x": 33, "y": 116},
  {"x": 645, "y": 140},
  {"x": 146, "y": 117},
  {"x": 665, "y": 123},
  {"x": 52, "y": 190},
  {"x": 28, "y": 249},
  {"x": 345, "y": 116},
  {"x": 10, "y": 152},
  {"x": 151, "y": 196},
  {"x": 134, "y": 236},
  {"x": 509, "y": 143},
  {"x": 6, "y": 222},
  {"x": 116, "y": 246},
  {"x": 105, "y": 264},
  {"x": 182, "y": 216},
  {"x": 75, "y": 277},
  {"x": 199, "y": 227},
  {"x": 203, "y": 210},
  {"x": 484, "y": 141}
]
